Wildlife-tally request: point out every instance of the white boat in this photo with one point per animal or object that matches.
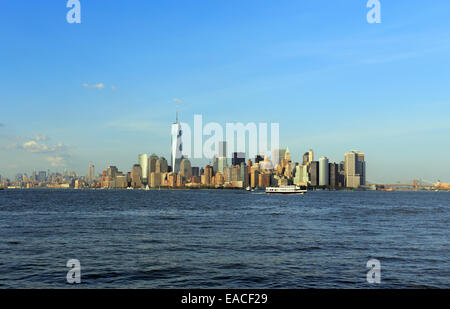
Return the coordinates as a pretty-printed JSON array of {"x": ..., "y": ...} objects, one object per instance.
[{"x": 285, "y": 190}]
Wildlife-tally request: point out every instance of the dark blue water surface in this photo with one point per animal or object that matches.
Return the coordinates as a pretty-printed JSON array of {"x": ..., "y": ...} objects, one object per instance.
[{"x": 223, "y": 239}]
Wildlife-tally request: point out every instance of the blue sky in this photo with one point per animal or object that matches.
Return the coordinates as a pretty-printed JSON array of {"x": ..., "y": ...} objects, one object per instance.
[{"x": 334, "y": 82}]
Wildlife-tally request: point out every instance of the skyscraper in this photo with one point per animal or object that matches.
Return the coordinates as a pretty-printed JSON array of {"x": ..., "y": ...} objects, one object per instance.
[
  {"x": 334, "y": 174},
  {"x": 143, "y": 162},
  {"x": 324, "y": 172},
  {"x": 161, "y": 165},
  {"x": 355, "y": 169},
  {"x": 314, "y": 172},
  {"x": 238, "y": 158},
  {"x": 185, "y": 168},
  {"x": 152, "y": 163},
  {"x": 91, "y": 173},
  {"x": 177, "y": 147},
  {"x": 136, "y": 176},
  {"x": 308, "y": 157},
  {"x": 277, "y": 156}
]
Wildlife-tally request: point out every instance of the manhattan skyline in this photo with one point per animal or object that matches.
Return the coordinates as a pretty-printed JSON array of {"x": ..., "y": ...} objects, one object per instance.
[{"x": 106, "y": 90}]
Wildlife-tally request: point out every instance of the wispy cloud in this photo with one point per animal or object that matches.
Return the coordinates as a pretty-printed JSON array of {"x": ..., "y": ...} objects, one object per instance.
[
  {"x": 177, "y": 100},
  {"x": 99, "y": 86},
  {"x": 56, "y": 161},
  {"x": 56, "y": 154}
]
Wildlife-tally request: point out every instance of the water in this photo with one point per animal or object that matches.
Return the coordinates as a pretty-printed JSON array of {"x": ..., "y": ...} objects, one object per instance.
[{"x": 223, "y": 239}]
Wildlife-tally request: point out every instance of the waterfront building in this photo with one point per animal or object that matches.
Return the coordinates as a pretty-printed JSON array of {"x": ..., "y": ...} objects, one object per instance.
[
  {"x": 219, "y": 181},
  {"x": 314, "y": 173},
  {"x": 155, "y": 179},
  {"x": 171, "y": 179},
  {"x": 254, "y": 178},
  {"x": 208, "y": 175},
  {"x": 354, "y": 169},
  {"x": 334, "y": 174},
  {"x": 136, "y": 176},
  {"x": 143, "y": 162},
  {"x": 243, "y": 177},
  {"x": 152, "y": 161},
  {"x": 324, "y": 172},
  {"x": 264, "y": 180},
  {"x": 185, "y": 169},
  {"x": 301, "y": 175}
]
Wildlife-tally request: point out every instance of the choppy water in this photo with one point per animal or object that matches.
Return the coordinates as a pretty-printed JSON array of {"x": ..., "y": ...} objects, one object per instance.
[{"x": 223, "y": 239}]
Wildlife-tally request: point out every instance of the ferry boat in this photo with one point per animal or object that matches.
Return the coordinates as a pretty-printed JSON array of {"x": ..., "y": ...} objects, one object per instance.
[{"x": 285, "y": 190}]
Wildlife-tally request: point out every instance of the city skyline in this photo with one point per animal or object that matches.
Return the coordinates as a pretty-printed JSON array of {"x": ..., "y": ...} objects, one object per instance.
[{"x": 106, "y": 89}]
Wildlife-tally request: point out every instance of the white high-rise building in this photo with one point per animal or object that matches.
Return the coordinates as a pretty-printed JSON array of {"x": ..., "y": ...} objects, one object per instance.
[
  {"x": 177, "y": 147},
  {"x": 324, "y": 172},
  {"x": 143, "y": 162}
]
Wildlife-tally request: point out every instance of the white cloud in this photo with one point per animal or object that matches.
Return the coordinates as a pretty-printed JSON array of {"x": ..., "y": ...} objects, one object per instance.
[
  {"x": 177, "y": 100},
  {"x": 96, "y": 86},
  {"x": 40, "y": 147}
]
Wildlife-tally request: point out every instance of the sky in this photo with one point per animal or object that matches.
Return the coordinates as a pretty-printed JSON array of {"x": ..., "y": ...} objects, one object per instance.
[{"x": 106, "y": 90}]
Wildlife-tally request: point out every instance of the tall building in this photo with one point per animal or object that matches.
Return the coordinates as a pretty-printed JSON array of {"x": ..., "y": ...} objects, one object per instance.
[
  {"x": 185, "y": 168},
  {"x": 308, "y": 157},
  {"x": 324, "y": 172},
  {"x": 91, "y": 173},
  {"x": 301, "y": 175},
  {"x": 143, "y": 162},
  {"x": 136, "y": 176},
  {"x": 354, "y": 169},
  {"x": 314, "y": 173},
  {"x": 277, "y": 156},
  {"x": 195, "y": 171},
  {"x": 222, "y": 163},
  {"x": 238, "y": 158},
  {"x": 177, "y": 147},
  {"x": 161, "y": 165},
  {"x": 152, "y": 164},
  {"x": 334, "y": 174}
]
